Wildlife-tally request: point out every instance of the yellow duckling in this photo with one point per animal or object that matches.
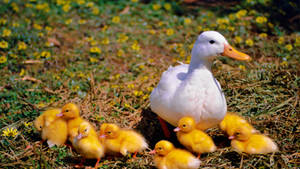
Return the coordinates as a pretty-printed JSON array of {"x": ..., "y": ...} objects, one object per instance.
[
  {"x": 121, "y": 140},
  {"x": 53, "y": 128},
  {"x": 193, "y": 139},
  {"x": 169, "y": 157},
  {"x": 70, "y": 112},
  {"x": 232, "y": 121},
  {"x": 87, "y": 144},
  {"x": 245, "y": 141}
]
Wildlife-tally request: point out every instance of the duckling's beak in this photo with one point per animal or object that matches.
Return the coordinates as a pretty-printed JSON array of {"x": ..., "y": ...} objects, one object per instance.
[
  {"x": 231, "y": 137},
  {"x": 59, "y": 115},
  {"x": 152, "y": 152},
  {"x": 79, "y": 136},
  {"x": 102, "y": 136},
  {"x": 233, "y": 53},
  {"x": 177, "y": 129}
]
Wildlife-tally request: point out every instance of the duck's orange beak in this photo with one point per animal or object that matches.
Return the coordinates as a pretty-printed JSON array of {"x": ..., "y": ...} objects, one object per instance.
[
  {"x": 177, "y": 129},
  {"x": 59, "y": 114},
  {"x": 233, "y": 53}
]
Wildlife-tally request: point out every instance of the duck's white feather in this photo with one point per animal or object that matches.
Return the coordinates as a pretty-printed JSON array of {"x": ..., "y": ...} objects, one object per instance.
[{"x": 197, "y": 94}]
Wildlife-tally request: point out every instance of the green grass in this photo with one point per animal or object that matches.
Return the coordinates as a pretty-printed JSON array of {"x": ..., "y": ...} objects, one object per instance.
[{"x": 114, "y": 85}]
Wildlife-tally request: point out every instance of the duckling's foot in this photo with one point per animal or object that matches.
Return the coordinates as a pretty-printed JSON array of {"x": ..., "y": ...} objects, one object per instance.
[
  {"x": 164, "y": 127},
  {"x": 97, "y": 163},
  {"x": 134, "y": 155}
]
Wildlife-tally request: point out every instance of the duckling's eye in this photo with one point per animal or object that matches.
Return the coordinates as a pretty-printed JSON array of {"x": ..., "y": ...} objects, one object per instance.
[
  {"x": 108, "y": 132},
  {"x": 159, "y": 148},
  {"x": 67, "y": 110},
  {"x": 211, "y": 41},
  {"x": 237, "y": 133},
  {"x": 183, "y": 125},
  {"x": 85, "y": 130}
]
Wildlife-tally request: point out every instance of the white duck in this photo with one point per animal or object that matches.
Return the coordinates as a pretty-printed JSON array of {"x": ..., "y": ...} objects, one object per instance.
[{"x": 192, "y": 90}]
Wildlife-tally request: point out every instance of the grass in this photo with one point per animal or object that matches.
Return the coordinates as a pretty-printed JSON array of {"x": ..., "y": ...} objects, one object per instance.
[{"x": 108, "y": 56}]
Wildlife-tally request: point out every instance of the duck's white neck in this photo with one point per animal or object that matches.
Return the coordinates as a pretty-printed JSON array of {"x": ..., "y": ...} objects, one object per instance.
[{"x": 197, "y": 63}]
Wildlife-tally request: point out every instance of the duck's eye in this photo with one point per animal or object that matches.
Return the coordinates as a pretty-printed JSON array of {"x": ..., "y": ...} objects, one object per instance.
[
  {"x": 159, "y": 148},
  {"x": 108, "y": 132},
  {"x": 237, "y": 133},
  {"x": 85, "y": 130},
  {"x": 183, "y": 125},
  {"x": 211, "y": 41},
  {"x": 67, "y": 110}
]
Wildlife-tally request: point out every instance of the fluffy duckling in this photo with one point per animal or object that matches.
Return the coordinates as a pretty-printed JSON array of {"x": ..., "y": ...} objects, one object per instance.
[
  {"x": 245, "y": 141},
  {"x": 169, "y": 157},
  {"x": 53, "y": 128},
  {"x": 193, "y": 139},
  {"x": 233, "y": 121},
  {"x": 70, "y": 112},
  {"x": 120, "y": 140},
  {"x": 87, "y": 144}
]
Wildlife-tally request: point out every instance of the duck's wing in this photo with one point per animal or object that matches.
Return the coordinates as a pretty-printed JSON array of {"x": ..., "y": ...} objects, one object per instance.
[{"x": 169, "y": 82}]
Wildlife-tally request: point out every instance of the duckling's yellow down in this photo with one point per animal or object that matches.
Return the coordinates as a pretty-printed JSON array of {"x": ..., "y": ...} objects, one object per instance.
[
  {"x": 120, "y": 140},
  {"x": 53, "y": 128},
  {"x": 256, "y": 144},
  {"x": 169, "y": 157},
  {"x": 71, "y": 113},
  {"x": 233, "y": 121},
  {"x": 87, "y": 143},
  {"x": 193, "y": 139}
]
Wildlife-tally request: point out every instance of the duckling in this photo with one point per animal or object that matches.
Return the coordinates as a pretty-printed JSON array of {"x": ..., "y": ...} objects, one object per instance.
[
  {"x": 169, "y": 157},
  {"x": 244, "y": 141},
  {"x": 70, "y": 112},
  {"x": 87, "y": 143},
  {"x": 233, "y": 121},
  {"x": 53, "y": 129},
  {"x": 120, "y": 140},
  {"x": 193, "y": 139}
]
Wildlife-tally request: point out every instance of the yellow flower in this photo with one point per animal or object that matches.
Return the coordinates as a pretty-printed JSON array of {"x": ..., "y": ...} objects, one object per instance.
[
  {"x": 242, "y": 67},
  {"x": 45, "y": 54},
  {"x": 105, "y": 41},
  {"x": 261, "y": 19},
  {"x": 68, "y": 21},
  {"x": 238, "y": 39},
  {"x": 93, "y": 42},
  {"x": 3, "y": 44},
  {"x": 93, "y": 60},
  {"x": 66, "y": 7},
  {"x": 134, "y": 0},
  {"x": 15, "y": 7},
  {"x": 22, "y": 72},
  {"x": 241, "y": 13},
  {"x": 297, "y": 43},
  {"x": 199, "y": 28},
  {"x": 135, "y": 46},
  {"x": 6, "y": 32},
  {"x": 126, "y": 105},
  {"x": 90, "y": 4},
  {"x": 263, "y": 35},
  {"x": 10, "y": 132},
  {"x": 270, "y": 25},
  {"x": 37, "y": 26},
  {"x": 116, "y": 19},
  {"x": 222, "y": 21},
  {"x": 222, "y": 27},
  {"x": 137, "y": 93},
  {"x": 249, "y": 42},
  {"x": 2, "y": 21},
  {"x": 75, "y": 88},
  {"x": 130, "y": 86},
  {"x": 95, "y": 50},
  {"x": 156, "y": 7},
  {"x": 284, "y": 63},
  {"x": 122, "y": 38},
  {"x": 120, "y": 53},
  {"x": 231, "y": 16},
  {"x": 27, "y": 124},
  {"x": 22, "y": 46},
  {"x": 231, "y": 28},
  {"x": 187, "y": 21},
  {"x": 167, "y": 6},
  {"x": 104, "y": 28},
  {"x": 80, "y": 2},
  {"x": 280, "y": 40},
  {"x": 95, "y": 10},
  {"x": 149, "y": 89},
  {"x": 288, "y": 47},
  {"x": 82, "y": 21},
  {"x": 13, "y": 55},
  {"x": 170, "y": 31},
  {"x": 48, "y": 28},
  {"x": 3, "y": 59}
]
